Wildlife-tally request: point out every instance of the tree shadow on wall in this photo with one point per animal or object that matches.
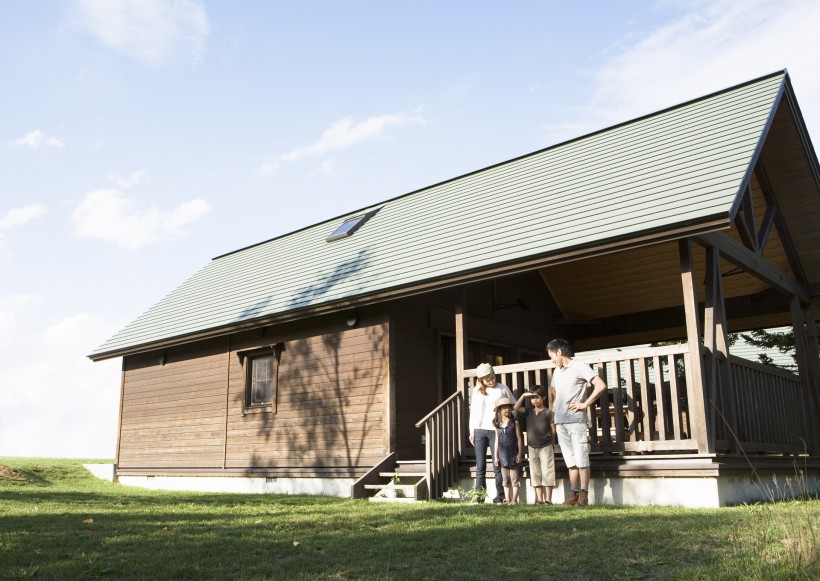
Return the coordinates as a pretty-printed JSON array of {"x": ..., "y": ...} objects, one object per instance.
[{"x": 328, "y": 403}]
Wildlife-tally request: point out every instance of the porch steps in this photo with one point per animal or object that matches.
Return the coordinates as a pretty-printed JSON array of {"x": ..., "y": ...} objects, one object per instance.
[{"x": 399, "y": 485}]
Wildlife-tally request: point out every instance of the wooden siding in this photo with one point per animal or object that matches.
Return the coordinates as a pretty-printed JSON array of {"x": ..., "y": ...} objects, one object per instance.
[
  {"x": 331, "y": 404},
  {"x": 189, "y": 414},
  {"x": 173, "y": 414},
  {"x": 417, "y": 389}
]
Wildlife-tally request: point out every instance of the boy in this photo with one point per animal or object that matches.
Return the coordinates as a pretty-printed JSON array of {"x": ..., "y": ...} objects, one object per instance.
[{"x": 540, "y": 438}]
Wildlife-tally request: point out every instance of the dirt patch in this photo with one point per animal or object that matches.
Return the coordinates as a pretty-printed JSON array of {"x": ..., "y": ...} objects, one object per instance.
[{"x": 7, "y": 473}]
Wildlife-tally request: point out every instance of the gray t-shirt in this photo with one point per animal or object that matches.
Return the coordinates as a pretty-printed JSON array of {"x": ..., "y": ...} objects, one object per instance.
[{"x": 570, "y": 384}]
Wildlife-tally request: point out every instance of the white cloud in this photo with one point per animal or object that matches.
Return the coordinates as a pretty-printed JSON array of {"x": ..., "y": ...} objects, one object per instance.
[
  {"x": 129, "y": 181},
  {"x": 7, "y": 324},
  {"x": 20, "y": 301},
  {"x": 53, "y": 400},
  {"x": 19, "y": 216},
  {"x": 10, "y": 310},
  {"x": 110, "y": 215},
  {"x": 345, "y": 133},
  {"x": 708, "y": 47},
  {"x": 36, "y": 139},
  {"x": 153, "y": 32},
  {"x": 267, "y": 168},
  {"x": 328, "y": 167}
]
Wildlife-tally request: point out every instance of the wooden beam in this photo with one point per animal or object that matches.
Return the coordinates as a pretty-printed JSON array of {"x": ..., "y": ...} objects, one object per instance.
[
  {"x": 389, "y": 334},
  {"x": 119, "y": 418},
  {"x": 461, "y": 358},
  {"x": 807, "y": 366},
  {"x": 694, "y": 380},
  {"x": 753, "y": 264},
  {"x": 779, "y": 222},
  {"x": 227, "y": 405},
  {"x": 745, "y": 221},
  {"x": 716, "y": 340},
  {"x": 766, "y": 228},
  {"x": 710, "y": 367}
]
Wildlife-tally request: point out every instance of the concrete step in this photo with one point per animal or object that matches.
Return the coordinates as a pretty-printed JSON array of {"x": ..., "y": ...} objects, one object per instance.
[
  {"x": 409, "y": 477},
  {"x": 407, "y": 488}
]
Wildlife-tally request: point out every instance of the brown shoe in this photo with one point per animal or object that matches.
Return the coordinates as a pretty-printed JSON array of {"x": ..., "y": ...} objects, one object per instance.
[
  {"x": 572, "y": 499},
  {"x": 583, "y": 498}
]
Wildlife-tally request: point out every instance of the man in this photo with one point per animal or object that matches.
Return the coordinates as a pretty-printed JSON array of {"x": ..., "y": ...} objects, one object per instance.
[{"x": 569, "y": 405}]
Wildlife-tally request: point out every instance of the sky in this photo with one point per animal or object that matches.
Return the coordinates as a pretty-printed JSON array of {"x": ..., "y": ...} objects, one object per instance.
[{"x": 142, "y": 138}]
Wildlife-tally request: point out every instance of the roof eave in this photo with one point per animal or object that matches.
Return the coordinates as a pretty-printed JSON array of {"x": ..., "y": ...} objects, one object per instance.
[{"x": 710, "y": 224}]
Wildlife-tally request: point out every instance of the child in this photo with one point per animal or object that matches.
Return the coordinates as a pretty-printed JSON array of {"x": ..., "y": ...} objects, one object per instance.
[
  {"x": 540, "y": 438},
  {"x": 509, "y": 446}
]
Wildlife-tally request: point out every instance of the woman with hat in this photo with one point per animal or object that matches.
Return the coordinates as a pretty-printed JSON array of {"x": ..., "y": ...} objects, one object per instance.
[{"x": 483, "y": 399}]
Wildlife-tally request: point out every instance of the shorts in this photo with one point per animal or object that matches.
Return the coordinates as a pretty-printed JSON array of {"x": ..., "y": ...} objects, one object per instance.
[
  {"x": 574, "y": 444},
  {"x": 542, "y": 466}
]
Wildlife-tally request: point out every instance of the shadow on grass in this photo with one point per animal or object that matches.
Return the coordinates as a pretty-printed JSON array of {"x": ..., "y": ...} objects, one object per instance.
[{"x": 217, "y": 536}]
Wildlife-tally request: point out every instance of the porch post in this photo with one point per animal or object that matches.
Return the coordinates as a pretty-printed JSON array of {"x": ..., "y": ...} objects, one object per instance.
[
  {"x": 721, "y": 402},
  {"x": 461, "y": 358},
  {"x": 805, "y": 345},
  {"x": 694, "y": 379}
]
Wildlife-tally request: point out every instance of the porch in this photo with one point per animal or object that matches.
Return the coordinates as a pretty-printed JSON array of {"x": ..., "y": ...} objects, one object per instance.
[{"x": 642, "y": 426}]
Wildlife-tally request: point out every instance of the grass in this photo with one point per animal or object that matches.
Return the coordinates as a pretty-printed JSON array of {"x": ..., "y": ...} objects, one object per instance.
[{"x": 58, "y": 522}]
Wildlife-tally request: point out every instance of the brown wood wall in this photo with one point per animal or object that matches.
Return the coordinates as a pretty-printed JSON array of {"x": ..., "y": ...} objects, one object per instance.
[
  {"x": 331, "y": 408},
  {"x": 173, "y": 415},
  {"x": 416, "y": 381}
]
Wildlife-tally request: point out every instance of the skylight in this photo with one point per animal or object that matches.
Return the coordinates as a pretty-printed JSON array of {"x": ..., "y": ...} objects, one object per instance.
[{"x": 350, "y": 225}]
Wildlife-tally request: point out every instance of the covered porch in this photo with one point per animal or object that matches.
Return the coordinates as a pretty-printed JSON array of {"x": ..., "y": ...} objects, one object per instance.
[{"x": 687, "y": 410}]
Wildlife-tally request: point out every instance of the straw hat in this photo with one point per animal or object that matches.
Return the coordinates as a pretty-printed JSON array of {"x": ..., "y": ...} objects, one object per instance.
[{"x": 502, "y": 402}]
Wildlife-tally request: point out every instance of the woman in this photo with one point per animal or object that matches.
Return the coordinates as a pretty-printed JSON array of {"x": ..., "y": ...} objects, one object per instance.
[{"x": 483, "y": 399}]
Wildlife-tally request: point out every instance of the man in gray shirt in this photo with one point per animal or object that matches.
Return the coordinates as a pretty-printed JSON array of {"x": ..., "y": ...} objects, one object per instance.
[{"x": 568, "y": 391}]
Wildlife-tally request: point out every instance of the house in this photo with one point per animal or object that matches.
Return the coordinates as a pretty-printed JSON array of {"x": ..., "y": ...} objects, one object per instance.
[{"x": 321, "y": 360}]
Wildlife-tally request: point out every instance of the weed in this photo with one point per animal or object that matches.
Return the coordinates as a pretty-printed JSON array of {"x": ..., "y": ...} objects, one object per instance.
[{"x": 471, "y": 495}]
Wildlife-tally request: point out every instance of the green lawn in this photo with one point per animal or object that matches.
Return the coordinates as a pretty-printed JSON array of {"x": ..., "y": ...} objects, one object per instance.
[{"x": 58, "y": 522}]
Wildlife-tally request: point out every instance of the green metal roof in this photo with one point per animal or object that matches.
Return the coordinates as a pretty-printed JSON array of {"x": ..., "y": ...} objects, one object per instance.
[{"x": 674, "y": 169}]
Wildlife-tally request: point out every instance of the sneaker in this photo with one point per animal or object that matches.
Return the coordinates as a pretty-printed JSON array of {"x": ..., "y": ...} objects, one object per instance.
[
  {"x": 583, "y": 498},
  {"x": 572, "y": 499}
]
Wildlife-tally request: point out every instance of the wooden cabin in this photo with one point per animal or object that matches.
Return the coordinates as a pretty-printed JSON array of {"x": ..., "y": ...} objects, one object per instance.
[{"x": 324, "y": 360}]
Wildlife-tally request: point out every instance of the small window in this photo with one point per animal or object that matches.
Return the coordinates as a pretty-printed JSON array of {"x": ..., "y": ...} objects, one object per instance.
[
  {"x": 260, "y": 383},
  {"x": 261, "y": 377},
  {"x": 350, "y": 225}
]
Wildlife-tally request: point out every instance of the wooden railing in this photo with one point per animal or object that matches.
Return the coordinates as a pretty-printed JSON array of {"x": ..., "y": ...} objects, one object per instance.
[
  {"x": 644, "y": 410},
  {"x": 770, "y": 409},
  {"x": 444, "y": 430},
  {"x": 645, "y": 406}
]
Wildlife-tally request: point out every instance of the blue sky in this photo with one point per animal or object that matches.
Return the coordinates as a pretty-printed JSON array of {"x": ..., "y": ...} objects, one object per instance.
[{"x": 140, "y": 139}]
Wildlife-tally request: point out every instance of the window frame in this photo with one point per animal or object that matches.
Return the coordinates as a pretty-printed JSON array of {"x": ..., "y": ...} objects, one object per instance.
[
  {"x": 350, "y": 224},
  {"x": 247, "y": 359}
]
